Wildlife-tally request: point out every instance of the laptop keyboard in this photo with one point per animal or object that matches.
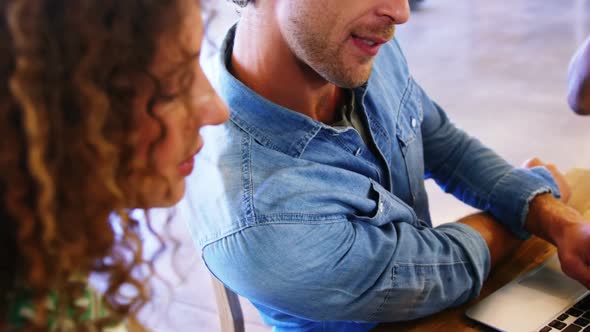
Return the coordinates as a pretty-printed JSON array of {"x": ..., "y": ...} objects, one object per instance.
[{"x": 574, "y": 319}]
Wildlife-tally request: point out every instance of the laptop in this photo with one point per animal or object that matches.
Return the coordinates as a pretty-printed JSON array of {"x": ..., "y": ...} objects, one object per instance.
[{"x": 545, "y": 299}]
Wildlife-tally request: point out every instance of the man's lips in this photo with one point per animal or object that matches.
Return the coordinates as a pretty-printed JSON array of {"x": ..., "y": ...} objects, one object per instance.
[
  {"x": 368, "y": 44},
  {"x": 371, "y": 40}
]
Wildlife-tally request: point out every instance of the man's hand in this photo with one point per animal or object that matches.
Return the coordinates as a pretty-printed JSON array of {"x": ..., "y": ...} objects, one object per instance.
[
  {"x": 567, "y": 229},
  {"x": 564, "y": 187},
  {"x": 561, "y": 225}
]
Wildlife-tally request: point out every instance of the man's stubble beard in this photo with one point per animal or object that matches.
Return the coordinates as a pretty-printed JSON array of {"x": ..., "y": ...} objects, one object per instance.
[{"x": 326, "y": 61}]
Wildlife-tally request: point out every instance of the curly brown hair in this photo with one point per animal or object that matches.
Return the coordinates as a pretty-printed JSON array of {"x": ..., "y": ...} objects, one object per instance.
[{"x": 68, "y": 74}]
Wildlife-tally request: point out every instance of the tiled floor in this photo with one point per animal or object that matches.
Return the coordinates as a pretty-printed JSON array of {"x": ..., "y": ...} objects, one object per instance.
[{"x": 497, "y": 67}]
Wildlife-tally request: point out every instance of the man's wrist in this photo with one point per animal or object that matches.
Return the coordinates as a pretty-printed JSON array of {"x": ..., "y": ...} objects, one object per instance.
[{"x": 546, "y": 218}]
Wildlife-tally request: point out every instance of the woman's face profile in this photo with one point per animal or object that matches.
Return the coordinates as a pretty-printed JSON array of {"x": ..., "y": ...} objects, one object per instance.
[{"x": 184, "y": 103}]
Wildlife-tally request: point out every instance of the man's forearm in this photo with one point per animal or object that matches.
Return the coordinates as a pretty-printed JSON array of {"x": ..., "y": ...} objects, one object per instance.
[
  {"x": 545, "y": 220},
  {"x": 500, "y": 241}
]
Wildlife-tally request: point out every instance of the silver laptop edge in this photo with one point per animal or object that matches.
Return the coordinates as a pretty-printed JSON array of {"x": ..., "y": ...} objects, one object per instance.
[{"x": 531, "y": 301}]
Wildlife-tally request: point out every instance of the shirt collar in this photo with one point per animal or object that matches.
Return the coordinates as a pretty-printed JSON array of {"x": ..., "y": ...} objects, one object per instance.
[{"x": 268, "y": 123}]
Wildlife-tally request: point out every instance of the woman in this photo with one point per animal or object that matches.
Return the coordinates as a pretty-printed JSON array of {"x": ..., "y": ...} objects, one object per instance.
[{"x": 101, "y": 102}]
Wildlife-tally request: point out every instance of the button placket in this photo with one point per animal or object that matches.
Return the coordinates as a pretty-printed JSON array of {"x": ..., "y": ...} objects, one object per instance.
[{"x": 381, "y": 207}]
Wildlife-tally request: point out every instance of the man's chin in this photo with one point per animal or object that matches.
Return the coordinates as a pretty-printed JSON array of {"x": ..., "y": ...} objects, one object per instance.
[
  {"x": 352, "y": 82},
  {"x": 353, "y": 79}
]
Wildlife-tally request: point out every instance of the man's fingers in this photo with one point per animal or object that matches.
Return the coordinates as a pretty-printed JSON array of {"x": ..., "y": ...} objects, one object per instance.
[
  {"x": 533, "y": 162},
  {"x": 552, "y": 168},
  {"x": 578, "y": 270}
]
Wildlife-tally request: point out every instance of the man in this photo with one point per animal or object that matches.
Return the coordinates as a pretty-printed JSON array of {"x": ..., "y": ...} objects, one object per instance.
[
  {"x": 579, "y": 80},
  {"x": 322, "y": 220}
]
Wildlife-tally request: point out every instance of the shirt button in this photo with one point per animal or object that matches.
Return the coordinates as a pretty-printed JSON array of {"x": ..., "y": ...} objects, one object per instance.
[{"x": 414, "y": 123}]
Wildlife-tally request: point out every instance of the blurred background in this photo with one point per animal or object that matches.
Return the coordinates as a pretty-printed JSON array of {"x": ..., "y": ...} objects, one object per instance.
[{"x": 499, "y": 70}]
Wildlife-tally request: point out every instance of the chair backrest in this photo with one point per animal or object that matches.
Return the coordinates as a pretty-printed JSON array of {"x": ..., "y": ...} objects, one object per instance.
[{"x": 228, "y": 307}]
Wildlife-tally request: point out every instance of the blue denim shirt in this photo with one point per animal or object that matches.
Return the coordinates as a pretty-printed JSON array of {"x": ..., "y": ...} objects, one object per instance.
[{"x": 323, "y": 233}]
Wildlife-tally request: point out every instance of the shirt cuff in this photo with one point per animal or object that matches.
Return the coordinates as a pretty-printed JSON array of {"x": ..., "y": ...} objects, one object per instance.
[{"x": 511, "y": 196}]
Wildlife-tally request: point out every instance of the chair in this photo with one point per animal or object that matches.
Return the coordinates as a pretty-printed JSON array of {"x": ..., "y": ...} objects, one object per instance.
[{"x": 228, "y": 306}]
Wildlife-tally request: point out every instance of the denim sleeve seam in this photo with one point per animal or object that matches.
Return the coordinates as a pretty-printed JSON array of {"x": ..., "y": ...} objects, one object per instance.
[
  {"x": 220, "y": 236},
  {"x": 387, "y": 295},
  {"x": 467, "y": 230},
  {"x": 296, "y": 218},
  {"x": 247, "y": 178},
  {"x": 279, "y": 219},
  {"x": 431, "y": 264},
  {"x": 393, "y": 278}
]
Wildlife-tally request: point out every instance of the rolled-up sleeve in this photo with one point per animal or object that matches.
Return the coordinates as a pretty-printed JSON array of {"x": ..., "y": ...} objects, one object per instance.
[
  {"x": 476, "y": 175},
  {"x": 353, "y": 271}
]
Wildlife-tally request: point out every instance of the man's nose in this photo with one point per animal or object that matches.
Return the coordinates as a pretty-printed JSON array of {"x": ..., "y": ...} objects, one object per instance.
[{"x": 397, "y": 10}]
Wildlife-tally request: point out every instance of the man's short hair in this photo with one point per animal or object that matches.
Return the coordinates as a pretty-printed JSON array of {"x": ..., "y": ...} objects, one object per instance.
[{"x": 242, "y": 3}]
